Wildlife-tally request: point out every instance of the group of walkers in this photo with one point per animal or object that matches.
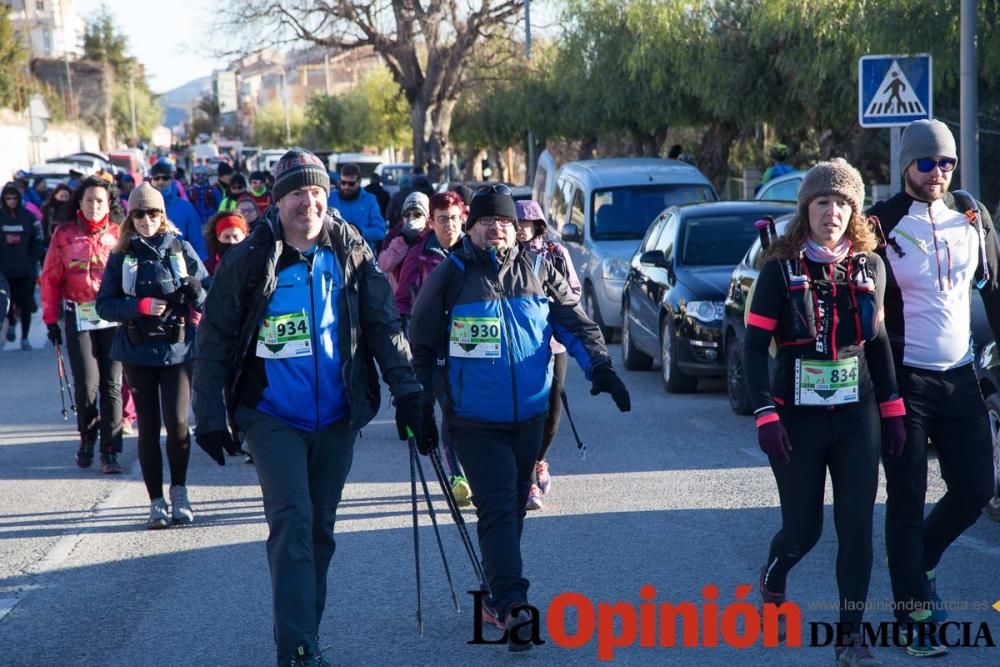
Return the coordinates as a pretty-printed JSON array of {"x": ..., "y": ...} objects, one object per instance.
[
  {"x": 870, "y": 312},
  {"x": 273, "y": 325}
]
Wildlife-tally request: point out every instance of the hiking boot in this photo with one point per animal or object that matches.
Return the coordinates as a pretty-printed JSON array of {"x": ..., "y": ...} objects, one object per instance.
[
  {"x": 180, "y": 507},
  {"x": 855, "y": 654},
  {"x": 924, "y": 645},
  {"x": 306, "y": 659},
  {"x": 534, "y": 499},
  {"x": 938, "y": 613},
  {"x": 461, "y": 490},
  {"x": 85, "y": 455},
  {"x": 25, "y": 345},
  {"x": 158, "y": 518},
  {"x": 110, "y": 465},
  {"x": 515, "y": 639},
  {"x": 542, "y": 475}
]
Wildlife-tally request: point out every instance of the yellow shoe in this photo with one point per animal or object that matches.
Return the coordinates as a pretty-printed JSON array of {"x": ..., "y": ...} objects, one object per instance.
[{"x": 461, "y": 490}]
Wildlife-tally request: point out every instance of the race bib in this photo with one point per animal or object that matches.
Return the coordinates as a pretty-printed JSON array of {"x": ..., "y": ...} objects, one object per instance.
[
  {"x": 826, "y": 382},
  {"x": 475, "y": 337},
  {"x": 285, "y": 336},
  {"x": 87, "y": 318}
]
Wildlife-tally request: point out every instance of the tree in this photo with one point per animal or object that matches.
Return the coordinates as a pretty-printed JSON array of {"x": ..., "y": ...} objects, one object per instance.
[
  {"x": 269, "y": 126},
  {"x": 12, "y": 60},
  {"x": 426, "y": 46}
]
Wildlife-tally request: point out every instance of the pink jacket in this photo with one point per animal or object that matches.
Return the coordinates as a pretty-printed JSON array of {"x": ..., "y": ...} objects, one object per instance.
[
  {"x": 74, "y": 266},
  {"x": 417, "y": 265},
  {"x": 391, "y": 259}
]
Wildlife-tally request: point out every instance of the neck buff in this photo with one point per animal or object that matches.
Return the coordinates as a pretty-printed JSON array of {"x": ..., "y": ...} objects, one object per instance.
[
  {"x": 259, "y": 193},
  {"x": 823, "y": 255},
  {"x": 92, "y": 226}
]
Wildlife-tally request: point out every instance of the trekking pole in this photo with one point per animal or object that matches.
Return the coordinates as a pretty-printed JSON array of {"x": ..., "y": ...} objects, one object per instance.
[
  {"x": 456, "y": 516},
  {"x": 416, "y": 535},
  {"x": 437, "y": 532},
  {"x": 64, "y": 389},
  {"x": 569, "y": 415}
]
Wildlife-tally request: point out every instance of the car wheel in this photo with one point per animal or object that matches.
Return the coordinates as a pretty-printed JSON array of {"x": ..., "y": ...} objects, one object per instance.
[
  {"x": 993, "y": 407},
  {"x": 675, "y": 381},
  {"x": 593, "y": 312},
  {"x": 736, "y": 383},
  {"x": 634, "y": 360}
]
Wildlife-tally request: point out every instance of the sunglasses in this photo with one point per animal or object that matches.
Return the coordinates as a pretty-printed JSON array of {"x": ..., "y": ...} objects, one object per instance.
[
  {"x": 348, "y": 184},
  {"x": 146, "y": 213},
  {"x": 494, "y": 188},
  {"x": 160, "y": 178},
  {"x": 926, "y": 165}
]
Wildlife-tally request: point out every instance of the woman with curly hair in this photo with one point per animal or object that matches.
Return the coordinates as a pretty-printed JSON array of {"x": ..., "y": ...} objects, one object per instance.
[{"x": 833, "y": 399}]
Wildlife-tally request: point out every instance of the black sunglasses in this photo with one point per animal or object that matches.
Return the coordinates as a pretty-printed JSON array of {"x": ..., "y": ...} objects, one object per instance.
[
  {"x": 349, "y": 184},
  {"x": 160, "y": 177},
  {"x": 146, "y": 212},
  {"x": 494, "y": 188},
  {"x": 925, "y": 165}
]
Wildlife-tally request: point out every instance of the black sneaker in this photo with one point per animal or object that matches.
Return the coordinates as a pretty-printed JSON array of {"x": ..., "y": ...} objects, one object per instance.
[
  {"x": 515, "y": 642},
  {"x": 110, "y": 465},
  {"x": 11, "y": 336},
  {"x": 304, "y": 658},
  {"x": 768, "y": 596},
  {"x": 85, "y": 455}
]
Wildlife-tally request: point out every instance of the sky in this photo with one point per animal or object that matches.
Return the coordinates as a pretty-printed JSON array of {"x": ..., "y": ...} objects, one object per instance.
[{"x": 171, "y": 39}]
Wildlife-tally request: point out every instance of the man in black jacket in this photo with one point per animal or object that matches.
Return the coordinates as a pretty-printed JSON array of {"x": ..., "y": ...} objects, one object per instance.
[
  {"x": 938, "y": 245},
  {"x": 22, "y": 247},
  {"x": 295, "y": 319}
]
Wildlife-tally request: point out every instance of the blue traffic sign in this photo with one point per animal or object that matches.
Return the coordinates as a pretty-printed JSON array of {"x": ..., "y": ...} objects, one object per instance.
[{"x": 894, "y": 90}]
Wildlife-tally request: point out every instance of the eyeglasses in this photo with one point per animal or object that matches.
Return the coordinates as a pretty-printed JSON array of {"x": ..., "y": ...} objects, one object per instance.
[
  {"x": 925, "y": 165},
  {"x": 494, "y": 188},
  {"x": 445, "y": 219},
  {"x": 153, "y": 213},
  {"x": 489, "y": 221},
  {"x": 160, "y": 177}
]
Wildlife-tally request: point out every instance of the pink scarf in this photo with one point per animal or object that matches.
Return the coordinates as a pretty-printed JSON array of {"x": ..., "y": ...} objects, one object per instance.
[{"x": 823, "y": 255}]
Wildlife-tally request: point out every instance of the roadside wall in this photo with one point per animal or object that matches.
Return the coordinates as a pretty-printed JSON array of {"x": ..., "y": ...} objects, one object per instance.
[{"x": 17, "y": 151}]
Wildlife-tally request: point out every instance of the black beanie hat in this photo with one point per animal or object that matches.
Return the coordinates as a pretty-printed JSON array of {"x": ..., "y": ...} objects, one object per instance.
[
  {"x": 488, "y": 204},
  {"x": 239, "y": 180},
  {"x": 224, "y": 168},
  {"x": 258, "y": 176},
  {"x": 298, "y": 168}
]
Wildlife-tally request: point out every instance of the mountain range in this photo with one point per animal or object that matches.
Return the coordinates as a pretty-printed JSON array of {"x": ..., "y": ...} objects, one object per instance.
[{"x": 177, "y": 102}]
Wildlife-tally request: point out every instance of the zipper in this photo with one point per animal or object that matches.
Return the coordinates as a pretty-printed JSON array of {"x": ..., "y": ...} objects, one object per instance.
[
  {"x": 937, "y": 255},
  {"x": 312, "y": 338},
  {"x": 947, "y": 248},
  {"x": 510, "y": 352},
  {"x": 835, "y": 319}
]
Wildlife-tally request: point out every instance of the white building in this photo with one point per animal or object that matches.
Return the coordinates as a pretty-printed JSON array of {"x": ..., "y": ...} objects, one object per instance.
[{"x": 47, "y": 28}]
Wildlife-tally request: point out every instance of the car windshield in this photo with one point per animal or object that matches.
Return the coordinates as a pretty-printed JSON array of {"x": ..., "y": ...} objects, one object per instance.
[
  {"x": 123, "y": 161},
  {"x": 717, "y": 240},
  {"x": 626, "y": 212},
  {"x": 393, "y": 175}
]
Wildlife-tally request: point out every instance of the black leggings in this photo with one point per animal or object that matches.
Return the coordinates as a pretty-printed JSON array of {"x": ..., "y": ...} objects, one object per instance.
[
  {"x": 22, "y": 297},
  {"x": 847, "y": 442},
  {"x": 167, "y": 388},
  {"x": 559, "y": 363},
  {"x": 95, "y": 372}
]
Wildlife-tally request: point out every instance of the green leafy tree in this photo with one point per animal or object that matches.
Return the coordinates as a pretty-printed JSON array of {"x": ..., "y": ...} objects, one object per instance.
[
  {"x": 269, "y": 126},
  {"x": 12, "y": 60}
]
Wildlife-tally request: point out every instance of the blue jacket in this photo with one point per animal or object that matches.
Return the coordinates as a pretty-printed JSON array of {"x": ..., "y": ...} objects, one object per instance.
[
  {"x": 518, "y": 304},
  {"x": 362, "y": 212},
  {"x": 205, "y": 199},
  {"x": 155, "y": 273},
  {"x": 186, "y": 219}
]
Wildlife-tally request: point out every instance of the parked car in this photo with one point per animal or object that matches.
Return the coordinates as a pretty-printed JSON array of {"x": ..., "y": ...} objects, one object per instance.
[
  {"x": 366, "y": 163},
  {"x": 672, "y": 302},
  {"x": 392, "y": 173},
  {"x": 543, "y": 184},
  {"x": 518, "y": 192},
  {"x": 602, "y": 208},
  {"x": 783, "y": 188},
  {"x": 129, "y": 163}
]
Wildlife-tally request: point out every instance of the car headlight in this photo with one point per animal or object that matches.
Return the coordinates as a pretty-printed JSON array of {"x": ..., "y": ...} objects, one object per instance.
[
  {"x": 706, "y": 311},
  {"x": 614, "y": 268}
]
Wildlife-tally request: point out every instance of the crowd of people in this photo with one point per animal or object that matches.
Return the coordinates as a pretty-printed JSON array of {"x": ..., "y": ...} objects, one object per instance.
[{"x": 267, "y": 303}]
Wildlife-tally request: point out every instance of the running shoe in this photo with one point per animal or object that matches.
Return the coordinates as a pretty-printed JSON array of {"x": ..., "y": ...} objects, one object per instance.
[
  {"x": 924, "y": 645},
  {"x": 158, "y": 518},
  {"x": 768, "y": 596},
  {"x": 938, "y": 613},
  {"x": 993, "y": 508},
  {"x": 491, "y": 616},
  {"x": 542, "y": 475},
  {"x": 306, "y": 659},
  {"x": 128, "y": 427},
  {"x": 461, "y": 490},
  {"x": 534, "y": 499},
  {"x": 180, "y": 507},
  {"x": 516, "y": 641},
  {"x": 85, "y": 455},
  {"x": 856, "y": 654},
  {"x": 25, "y": 345},
  {"x": 110, "y": 465},
  {"x": 11, "y": 336}
]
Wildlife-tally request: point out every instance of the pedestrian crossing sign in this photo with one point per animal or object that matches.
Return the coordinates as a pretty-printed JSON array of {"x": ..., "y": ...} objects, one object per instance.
[{"x": 894, "y": 90}]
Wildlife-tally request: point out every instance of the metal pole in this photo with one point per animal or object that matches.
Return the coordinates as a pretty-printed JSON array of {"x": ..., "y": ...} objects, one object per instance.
[
  {"x": 895, "y": 180},
  {"x": 288, "y": 122},
  {"x": 968, "y": 151},
  {"x": 529, "y": 177}
]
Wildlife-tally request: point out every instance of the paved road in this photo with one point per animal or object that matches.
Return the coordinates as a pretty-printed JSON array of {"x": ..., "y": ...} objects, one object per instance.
[{"x": 675, "y": 495}]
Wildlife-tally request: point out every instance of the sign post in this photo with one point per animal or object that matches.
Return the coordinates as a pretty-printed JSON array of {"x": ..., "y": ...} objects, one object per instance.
[{"x": 894, "y": 91}]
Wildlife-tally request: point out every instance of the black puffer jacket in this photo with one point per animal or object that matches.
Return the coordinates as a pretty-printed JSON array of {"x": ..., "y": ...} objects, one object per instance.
[
  {"x": 241, "y": 289},
  {"x": 22, "y": 246}
]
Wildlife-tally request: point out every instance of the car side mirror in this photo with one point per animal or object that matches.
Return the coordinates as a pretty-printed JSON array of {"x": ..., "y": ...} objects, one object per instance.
[
  {"x": 654, "y": 258},
  {"x": 571, "y": 233}
]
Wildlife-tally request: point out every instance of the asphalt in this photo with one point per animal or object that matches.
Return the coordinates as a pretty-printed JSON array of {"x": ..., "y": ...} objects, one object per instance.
[{"x": 674, "y": 495}]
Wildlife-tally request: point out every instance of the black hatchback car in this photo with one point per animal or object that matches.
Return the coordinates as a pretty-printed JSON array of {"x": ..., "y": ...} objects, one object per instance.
[{"x": 672, "y": 301}]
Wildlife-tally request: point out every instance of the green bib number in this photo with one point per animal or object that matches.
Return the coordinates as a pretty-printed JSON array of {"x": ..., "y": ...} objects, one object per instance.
[
  {"x": 87, "y": 318},
  {"x": 284, "y": 336},
  {"x": 826, "y": 382},
  {"x": 475, "y": 337}
]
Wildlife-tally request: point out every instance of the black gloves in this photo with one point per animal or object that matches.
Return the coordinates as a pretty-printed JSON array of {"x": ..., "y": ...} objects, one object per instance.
[
  {"x": 190, "y": 288},
  {"x": 604, "y": 379},
  {"x": 410, "y": 414},
  {"x": 55, "y": 335},
  {"x": 214, "y": 442}
]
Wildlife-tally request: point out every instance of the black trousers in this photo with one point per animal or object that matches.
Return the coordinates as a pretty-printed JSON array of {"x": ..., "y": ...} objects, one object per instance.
[
  {"x": 559, "y": 363},
  {"x": 22, "y": 297},
  {"x": 946, "y": 407},
  {"x": 498, "y": 462},
  {"x": 95, "y": 374},
  {"x": 846, "y": 442},
  {"x": 162, "y": 394}
]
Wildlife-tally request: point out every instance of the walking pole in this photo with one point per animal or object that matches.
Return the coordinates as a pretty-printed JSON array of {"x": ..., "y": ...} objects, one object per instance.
[
  {"x": 437, "y": 532},
  {"x": 64, "y": 389},
  {"x": 569, "y": 415},
  {"x": 456, "y": 515},
  {"x": 416, "y": 535}
]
